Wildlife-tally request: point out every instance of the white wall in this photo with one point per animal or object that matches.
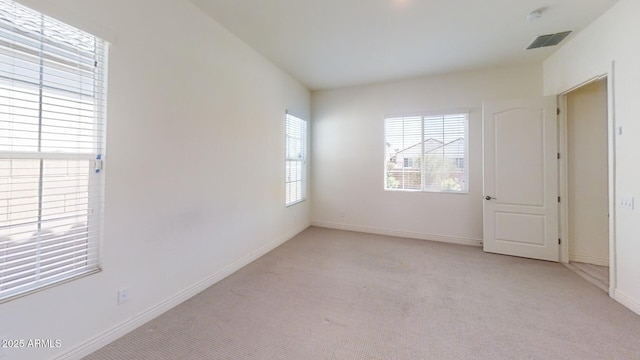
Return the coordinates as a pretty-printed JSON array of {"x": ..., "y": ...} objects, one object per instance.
[
  {"x": 612, "y": 38},
  {"x": 348, "y": 158},
  {"x": 194, "y": 170},
  {"x": 588, "y": 174}
]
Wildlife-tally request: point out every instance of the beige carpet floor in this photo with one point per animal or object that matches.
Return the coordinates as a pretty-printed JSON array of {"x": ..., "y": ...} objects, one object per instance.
[
  {"x": 329, "y": 294},
  {"x": 597, "y": 275}
]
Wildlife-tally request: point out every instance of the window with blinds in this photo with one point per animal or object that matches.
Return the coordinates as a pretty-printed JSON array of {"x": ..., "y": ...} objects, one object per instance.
[
  {"x": 52, "y": 108},
  {"x": 427, "y": 153},
  {"x": 295, "y": 159}
]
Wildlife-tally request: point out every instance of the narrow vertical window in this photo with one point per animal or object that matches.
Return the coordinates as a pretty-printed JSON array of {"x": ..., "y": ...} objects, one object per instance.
[
  {"x": 427, "y": 153},
  {"x": 52, "y": 102},
  {"x": 295, "y": 159}
]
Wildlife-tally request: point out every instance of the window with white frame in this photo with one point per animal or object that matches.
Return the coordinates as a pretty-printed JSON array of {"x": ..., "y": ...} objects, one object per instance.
[
  {"x": 52, "y": 108},
  {"x": 427, "y": 153},
  {"x": 295, "y": 159}
]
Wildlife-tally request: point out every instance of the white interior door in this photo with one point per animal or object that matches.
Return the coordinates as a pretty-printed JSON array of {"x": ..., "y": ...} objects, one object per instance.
[{"x": 521, "y": 178}]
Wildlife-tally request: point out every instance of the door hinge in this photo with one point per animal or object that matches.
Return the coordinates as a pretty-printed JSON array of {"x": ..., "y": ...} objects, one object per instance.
[
  {"x": 557, "y": 111},
  {"x": 558, "y": 198},
  {"x": 559, "y": 241},
  {"x": 558, "y": 156}
]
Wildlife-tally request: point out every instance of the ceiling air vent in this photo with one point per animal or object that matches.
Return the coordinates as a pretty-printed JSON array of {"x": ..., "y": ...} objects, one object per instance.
[{"x": 548, "y": 40}]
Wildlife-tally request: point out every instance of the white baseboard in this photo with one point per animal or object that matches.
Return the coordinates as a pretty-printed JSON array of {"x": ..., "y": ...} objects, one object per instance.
[
  {"x": 588, "y": 260},
  {"x": 116, "y": 332},
  {"x": 627, "y": 301},
  {"x": 399, "y": 233}
]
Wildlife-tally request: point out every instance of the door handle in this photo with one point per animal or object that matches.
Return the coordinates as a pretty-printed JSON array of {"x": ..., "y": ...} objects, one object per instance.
[{"x": 489, "y": 198}]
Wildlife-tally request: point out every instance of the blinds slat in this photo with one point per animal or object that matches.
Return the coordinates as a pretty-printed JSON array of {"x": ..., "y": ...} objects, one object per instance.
[
  {"x": 28, "y": 272},
  {"x": 43, "y": 260},
  {"x": 9, "y": 248},
  {"x": 31, "y": 234},
  {"x": 27, "y": 283},
  {"x": 49, "y": 254},
  {"x": 6, "y": 87},
  {"x": 43, "y": 220},
  {"x": 37, "y": 257}
]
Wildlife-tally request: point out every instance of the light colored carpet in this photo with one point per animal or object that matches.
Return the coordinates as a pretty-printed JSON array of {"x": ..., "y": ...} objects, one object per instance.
[
  {"x": 597, "y": 275},
  {"x": 329, "y": 294}
]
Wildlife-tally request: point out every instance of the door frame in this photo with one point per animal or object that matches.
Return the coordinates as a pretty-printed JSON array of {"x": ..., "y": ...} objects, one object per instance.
[{"x": 563, "y": 172}]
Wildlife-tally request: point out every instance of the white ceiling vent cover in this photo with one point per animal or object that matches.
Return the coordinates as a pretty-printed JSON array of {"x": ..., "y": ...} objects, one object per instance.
[{"x": 548, "y": 40}]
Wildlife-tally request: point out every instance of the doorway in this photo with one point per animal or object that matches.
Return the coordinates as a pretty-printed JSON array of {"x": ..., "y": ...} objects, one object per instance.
[{"x": 585, "y": 219}]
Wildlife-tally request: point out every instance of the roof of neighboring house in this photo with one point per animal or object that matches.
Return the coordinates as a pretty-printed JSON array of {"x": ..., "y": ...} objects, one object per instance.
[{"x": 435, "y": 145}]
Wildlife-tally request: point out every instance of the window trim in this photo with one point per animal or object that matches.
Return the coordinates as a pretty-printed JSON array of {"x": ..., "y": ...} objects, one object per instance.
[{"x": 423, "y": 116}]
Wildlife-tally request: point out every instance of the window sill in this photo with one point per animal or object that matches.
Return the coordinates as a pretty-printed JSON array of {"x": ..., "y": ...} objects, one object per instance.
[
  {"x": 295, "y": 202},
  {"x": 57, "y": 283},
  {"x": 429, "y": 192}
]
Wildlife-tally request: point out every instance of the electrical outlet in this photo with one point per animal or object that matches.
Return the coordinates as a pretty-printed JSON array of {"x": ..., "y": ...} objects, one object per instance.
[
  {"x": 123, "y": 296},
  {"x": 627, "y": 202}
]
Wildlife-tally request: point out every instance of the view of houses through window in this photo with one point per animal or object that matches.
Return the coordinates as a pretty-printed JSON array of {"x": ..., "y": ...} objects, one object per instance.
[{"x": 426, "y": 153}]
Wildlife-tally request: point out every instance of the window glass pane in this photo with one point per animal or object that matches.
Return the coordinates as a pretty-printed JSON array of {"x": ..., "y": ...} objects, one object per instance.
[
  {"x": 287, "y": 192},
  {"x": 51, "y": 120},
  {"x": 44, "y": 220},
  {"x": 69, "y": 123},
  {"x": 295, "y": 158},
  {"x": 444, "y": 156},
  {"x": 426, "y": 153},
  {"x": 19, "y": 111},
  {"x": 403, "y": 153}
]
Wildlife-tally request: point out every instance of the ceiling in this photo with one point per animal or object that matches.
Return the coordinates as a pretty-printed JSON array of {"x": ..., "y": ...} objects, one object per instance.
[{"x": 335, "y": 43}]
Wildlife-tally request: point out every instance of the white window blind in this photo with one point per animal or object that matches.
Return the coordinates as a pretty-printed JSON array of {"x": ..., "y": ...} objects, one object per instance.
[
  {"x": 404, "y": 153},
  {"x": 427, "y": 153},
  {"x": 295, "y": 159},
  {"x": 52, "y": 102}
]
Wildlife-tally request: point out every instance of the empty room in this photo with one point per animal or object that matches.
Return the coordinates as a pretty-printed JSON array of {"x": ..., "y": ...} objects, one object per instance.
[{"x": 306, "y": 179}]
